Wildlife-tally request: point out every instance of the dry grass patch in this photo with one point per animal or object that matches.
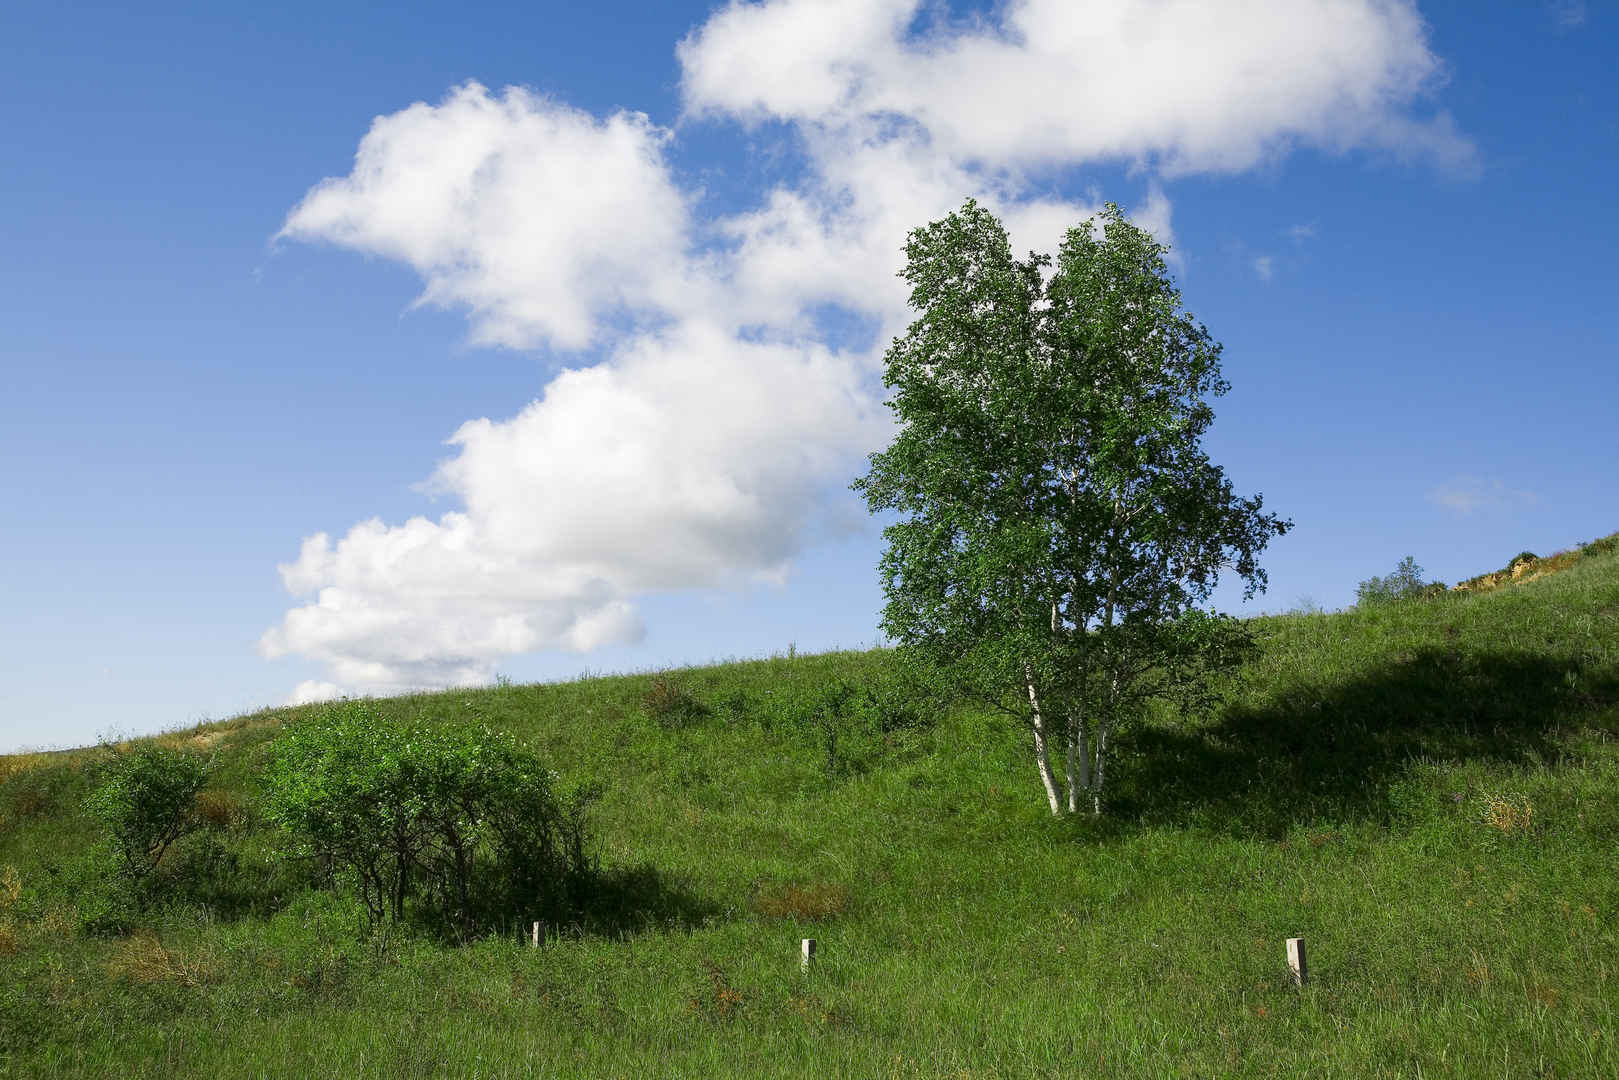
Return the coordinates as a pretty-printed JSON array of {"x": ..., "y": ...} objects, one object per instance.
[
  {"x": 143, "y": 959},
  {"x": 195, "y": 739},
  {"x": 815, "y": 901},
  {"x": 17, "y": 764},
  {"x": 1508, "y": 813},
  {"x": 220, "y": 809},
  {"x": 719, "y": 1001}
]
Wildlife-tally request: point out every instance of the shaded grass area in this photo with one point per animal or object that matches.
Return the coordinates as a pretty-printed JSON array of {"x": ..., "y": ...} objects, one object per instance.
[{"x": 1428, "y": 792}]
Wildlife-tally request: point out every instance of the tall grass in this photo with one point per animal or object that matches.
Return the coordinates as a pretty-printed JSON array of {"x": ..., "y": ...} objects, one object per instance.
[{"x": 1427, "y": 792}]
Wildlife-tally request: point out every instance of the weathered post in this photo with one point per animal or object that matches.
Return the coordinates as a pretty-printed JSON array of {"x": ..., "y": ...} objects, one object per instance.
[
  {"x": 534, "y": 935},
  {"x": 807, "y": 954},
  {"x": 1295, "y": 961}
]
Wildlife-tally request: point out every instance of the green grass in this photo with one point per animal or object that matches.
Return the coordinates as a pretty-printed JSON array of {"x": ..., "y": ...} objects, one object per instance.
[{"x": 1427, "y": 792}]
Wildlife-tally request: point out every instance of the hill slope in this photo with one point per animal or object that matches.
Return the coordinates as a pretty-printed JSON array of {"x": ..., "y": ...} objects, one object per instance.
[{"x": 1427, "y": 792}]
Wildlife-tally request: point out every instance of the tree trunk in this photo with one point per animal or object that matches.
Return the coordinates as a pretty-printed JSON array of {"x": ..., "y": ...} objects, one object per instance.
[
  {"x": 1079, "y": 762},
  {"x": 1101, "y": 768},
  {"x": 1042, "y": 756},
  {"x": 1068, "y": 772}
]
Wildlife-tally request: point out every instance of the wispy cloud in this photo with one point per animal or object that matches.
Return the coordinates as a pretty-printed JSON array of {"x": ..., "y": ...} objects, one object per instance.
[
  {"x": 1265, "y": 266},
  {"x": 1569, "y": 13},
  {"x": 1301, "y": 233},
  {"x": 1469, "y": 494}
]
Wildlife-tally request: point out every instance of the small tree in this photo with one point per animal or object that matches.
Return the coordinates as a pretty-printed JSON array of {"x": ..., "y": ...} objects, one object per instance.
[
  {"x": 1405, "y": 582},
  {"x": 146, "y": 801},
  {"x": 1063, "y": 524}
]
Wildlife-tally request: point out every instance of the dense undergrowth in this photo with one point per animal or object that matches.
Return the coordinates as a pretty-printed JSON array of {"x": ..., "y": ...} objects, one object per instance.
[{"x": 1428, "y": 792}]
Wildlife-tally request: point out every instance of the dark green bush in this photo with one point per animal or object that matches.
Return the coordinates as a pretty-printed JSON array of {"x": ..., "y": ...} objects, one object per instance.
[
  {"x": 146, "y": 801},
  {"x": 672, "y": 705},
  {"x": 461, "y": 828},
  {"x": 855, "y": 722},
  {"x": 736, "y": 706}
]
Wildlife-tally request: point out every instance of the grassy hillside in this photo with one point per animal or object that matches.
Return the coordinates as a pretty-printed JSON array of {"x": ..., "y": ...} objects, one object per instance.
[{"x": 1427, "y": 792}]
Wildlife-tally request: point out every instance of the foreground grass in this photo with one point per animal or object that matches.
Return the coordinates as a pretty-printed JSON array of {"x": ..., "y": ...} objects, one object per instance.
[{"x": 1428, "y": 793}]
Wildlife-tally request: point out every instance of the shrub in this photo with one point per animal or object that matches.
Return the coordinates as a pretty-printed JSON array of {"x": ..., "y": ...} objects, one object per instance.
[
  {"x": 1604, "y": 546},
  {"x": 1404, "y": 583},
  {"x": 147, "y": 801},
  {"x": 736, "y": 706},
  {"x": 463, "y": 827},
  {"x": 672, "y": 705}
]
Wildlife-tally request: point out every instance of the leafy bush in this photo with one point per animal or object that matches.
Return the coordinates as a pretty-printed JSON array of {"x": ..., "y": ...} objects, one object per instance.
[
  {"x": 855, "y": 722},
  {"x": 672, "y": 705},
  {"x": 1606, "y": 545},
  {"x": 147, "y": 801},
  {"x": 462, "y": 827},
  {"x": 1405, "y": 583}
]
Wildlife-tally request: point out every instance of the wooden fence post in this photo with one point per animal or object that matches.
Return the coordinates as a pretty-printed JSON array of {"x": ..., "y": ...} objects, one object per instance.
[
  {"x": 807, "y": 953},
  {"x": 1295, "y": 961},
  {"x": 534, "y": 935}
]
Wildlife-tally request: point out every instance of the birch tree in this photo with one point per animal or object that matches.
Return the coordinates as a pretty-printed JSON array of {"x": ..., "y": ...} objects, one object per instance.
[{"x": 1061, "y": 528}]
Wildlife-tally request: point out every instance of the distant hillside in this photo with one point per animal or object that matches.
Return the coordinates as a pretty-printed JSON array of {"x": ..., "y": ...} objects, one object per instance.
[{"x": 1527, "y": 566}]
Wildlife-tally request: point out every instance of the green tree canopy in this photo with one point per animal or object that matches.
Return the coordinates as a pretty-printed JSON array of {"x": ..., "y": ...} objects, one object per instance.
[{"x": 1061, "y": 525}]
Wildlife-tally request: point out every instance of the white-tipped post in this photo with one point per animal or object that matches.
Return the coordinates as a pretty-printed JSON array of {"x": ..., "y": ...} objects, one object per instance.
[
  {"x": 806, "y": 949},
  {"x": 1295, "y": 961},
  {"x": 534, "y": 935}
]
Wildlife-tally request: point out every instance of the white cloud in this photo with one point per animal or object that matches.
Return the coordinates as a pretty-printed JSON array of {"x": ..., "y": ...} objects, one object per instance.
[
  {"x": 1185, "y": 85},
  {"x": 1468, "y": 494},
  {"x": 311, "y": 691},
  {"x": 1302, "y": 233},
  {"x": 709, "y": 427},
  {"x": 539, "y": 219},
  {"x": 1264, "y": 267},
  {"x": 690, "y": 459}
]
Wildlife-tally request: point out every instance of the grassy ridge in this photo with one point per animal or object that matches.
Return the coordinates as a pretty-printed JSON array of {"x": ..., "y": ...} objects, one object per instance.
[{"x": 1428, "y": 792}]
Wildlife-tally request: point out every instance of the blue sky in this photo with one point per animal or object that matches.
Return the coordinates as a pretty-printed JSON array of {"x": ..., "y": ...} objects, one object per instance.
[{"x": 661, "y": 275}]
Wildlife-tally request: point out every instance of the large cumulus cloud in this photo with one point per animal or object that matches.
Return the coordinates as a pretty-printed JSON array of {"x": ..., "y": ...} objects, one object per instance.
[{"x": 709, "y": 419}]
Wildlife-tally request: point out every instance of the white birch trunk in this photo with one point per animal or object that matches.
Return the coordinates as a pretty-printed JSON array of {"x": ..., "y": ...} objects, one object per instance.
[
  {"x": 1079, "y": 762},
  {"x": 1042, "y": 756},
  {"x": 1101, "y": 768},
  {"x": 1068, "y": 772}
]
